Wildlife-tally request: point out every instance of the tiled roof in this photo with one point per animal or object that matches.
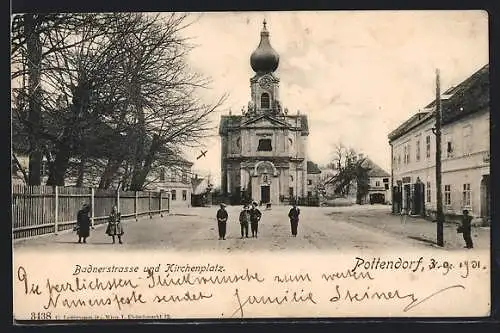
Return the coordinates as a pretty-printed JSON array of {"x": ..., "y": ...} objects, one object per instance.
[
  {"x": 409, "y": 124},
  {"x": 472, "y": 95},
  {"x": 312, "y": 168},
  {"x": 374, "y": 169}
]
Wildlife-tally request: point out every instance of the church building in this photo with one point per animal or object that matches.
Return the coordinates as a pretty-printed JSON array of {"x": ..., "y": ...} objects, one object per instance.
[{"x": 264, "y": 150}]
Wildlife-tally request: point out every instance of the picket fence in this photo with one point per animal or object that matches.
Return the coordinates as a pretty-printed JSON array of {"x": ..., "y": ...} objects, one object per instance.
[{"x": 40, "y": 210}]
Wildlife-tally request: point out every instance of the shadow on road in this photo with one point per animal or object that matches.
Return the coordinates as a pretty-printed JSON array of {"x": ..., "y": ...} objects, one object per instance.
[{"x": 422, "y": 239}]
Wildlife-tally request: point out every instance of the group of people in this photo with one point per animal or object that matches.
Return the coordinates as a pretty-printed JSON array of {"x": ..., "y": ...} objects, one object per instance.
[
  {"x": 83, "y": 224},
  {"x": 251, "y": 215}
]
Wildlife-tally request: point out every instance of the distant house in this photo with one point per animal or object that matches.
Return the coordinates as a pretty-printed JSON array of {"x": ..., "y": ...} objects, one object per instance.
[
  {"x": 313, "y": 179},
  {"x": 379, "y": 190},
  {"x": 174, "y": 178}
]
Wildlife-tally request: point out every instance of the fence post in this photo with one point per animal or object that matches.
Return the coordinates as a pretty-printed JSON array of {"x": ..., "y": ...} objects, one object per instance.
[
  {"x": 92, "y": 205},
  {"x": 135, "y": 205},
  {"x": 56, "y": 215},
  {"x": 118, "y": 199},
  {"x": 161, "y": 212},
  {"x": 150, "y": 213}
]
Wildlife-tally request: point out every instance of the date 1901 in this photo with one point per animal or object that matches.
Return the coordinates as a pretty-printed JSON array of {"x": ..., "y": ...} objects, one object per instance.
[
  {"x": 465, "y": 266},
  {"x": 41, "y": 316}
]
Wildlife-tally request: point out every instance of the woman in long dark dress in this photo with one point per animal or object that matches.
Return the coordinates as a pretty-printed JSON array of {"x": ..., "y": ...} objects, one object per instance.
[
  {"x": 115, "y": 227},
  {"x": 83, "y": 223}
]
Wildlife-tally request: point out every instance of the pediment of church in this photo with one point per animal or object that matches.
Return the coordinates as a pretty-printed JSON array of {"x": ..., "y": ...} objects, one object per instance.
[{"x": 264, "y": 121}]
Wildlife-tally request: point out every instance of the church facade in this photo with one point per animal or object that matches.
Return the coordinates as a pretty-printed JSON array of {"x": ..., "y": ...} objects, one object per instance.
[{"x": 264, "y": 150}]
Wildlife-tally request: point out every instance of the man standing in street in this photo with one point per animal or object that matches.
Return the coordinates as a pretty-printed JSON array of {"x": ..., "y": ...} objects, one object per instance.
[
  {"x": 222, "y": 221},
  {"x": 244, "y": 221},
  {"x": 293, "y": 215},
  {"x": 466, "y": 229},
  {"x": 255, "y": 216}
]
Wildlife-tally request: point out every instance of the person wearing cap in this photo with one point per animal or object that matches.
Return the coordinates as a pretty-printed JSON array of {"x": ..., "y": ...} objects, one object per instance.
[
  {"x": 244, "y": 221},
  {"x": 466, "y": 229},
  {"x": 255, "y": 216},
  {"x": 293, "y": 215},
  {"x": 221, "y": 221},
  {"x": 83, "y": 223}
]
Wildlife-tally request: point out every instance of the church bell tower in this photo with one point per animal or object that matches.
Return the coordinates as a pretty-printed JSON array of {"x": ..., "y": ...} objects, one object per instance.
[{"x": 265, "y": 83}]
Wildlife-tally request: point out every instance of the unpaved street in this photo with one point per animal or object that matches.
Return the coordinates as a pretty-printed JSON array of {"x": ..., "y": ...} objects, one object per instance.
[{"x": 195, "y": 229}]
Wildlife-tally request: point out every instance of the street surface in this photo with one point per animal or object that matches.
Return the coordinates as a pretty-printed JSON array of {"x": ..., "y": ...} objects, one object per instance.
[{"x": 327, "y": 228}]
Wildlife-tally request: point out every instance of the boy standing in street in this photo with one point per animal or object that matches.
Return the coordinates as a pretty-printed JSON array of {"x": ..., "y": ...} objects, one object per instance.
[
  {"x": 293, "y": 215},
  {"x": 222, "y": 221},
  {"x": 255, "y": 216},
  {"x": 244, "y": 221}
]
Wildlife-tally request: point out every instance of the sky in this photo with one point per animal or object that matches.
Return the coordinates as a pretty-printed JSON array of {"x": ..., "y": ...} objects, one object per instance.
[{"x": 356, "y": 75}]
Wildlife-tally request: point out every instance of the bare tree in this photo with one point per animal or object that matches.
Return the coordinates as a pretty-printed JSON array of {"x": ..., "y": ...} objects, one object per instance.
[
  {"x": 351, "y": 169},
  {"x": 115, "y": 89}
]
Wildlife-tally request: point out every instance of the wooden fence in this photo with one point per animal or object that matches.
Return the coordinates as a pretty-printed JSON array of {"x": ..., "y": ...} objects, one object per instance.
[{"x": 40, "y": 210}]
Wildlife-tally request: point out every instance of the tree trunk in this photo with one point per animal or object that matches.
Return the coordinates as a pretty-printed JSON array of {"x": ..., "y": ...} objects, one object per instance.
[
  {"x": 34, "y": 52},
  {"x": 81, "y": 172},
  {"x": 140, "y": 177},
  {"x": 59, "y": 167},
  {"x": 109, "y": 172},
  {"x": 136, "y": 184}
]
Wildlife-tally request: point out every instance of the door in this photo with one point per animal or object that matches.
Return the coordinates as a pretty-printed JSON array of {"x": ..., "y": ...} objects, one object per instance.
[
  {"x": 418, "y": 199},
  {"x": 407, "y": 198},
  {"x": 485, "y": 197},
  {"x": 265, "y": 194}
]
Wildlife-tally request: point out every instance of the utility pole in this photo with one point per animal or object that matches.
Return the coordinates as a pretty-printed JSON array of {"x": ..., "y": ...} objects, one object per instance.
[{"x": 439, "y": 194}]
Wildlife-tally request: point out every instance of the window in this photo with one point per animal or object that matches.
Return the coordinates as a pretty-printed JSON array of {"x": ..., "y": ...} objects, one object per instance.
[
  {"x": 386, "y": 186},
  {"x": 428, "y": 192},
  {"x": 377, "y": 183},
  {"x": 399, "y": 161},
  {"x": 309, "y": 194},
  {"x": 417, "y": 155},
  {"x": 264, "y": 101},
  {"x": 309, "y": 182},
  {"x": 449, "y": 148},
  {"x": 467, "y": 131},
  {"x": 290, "y": 192},
  {"x": 447, "y": 195},
  {"x": 264, "y": 145},
  {"x": 406, "y": 154},
  {"x": 162, "y": 174},
  {"x": 174, "y": 195},
  {"x": 184, "y": 195},
  {"x": 466, "y": 195},
  {"x": 428, "y": 146},
  {"x": 184, "y": 177}
]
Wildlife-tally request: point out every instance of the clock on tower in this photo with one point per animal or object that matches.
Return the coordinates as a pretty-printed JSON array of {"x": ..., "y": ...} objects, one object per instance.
[{"x": 265, "y": 82}]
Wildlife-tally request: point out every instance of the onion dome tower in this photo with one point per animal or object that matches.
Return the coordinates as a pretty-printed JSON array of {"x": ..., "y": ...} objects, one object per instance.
[
  {"x": 265, "y": 83},
  {"x": 264, "y": 59}
]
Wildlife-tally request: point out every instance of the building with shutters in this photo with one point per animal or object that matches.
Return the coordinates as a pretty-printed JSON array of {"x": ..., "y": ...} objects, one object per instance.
[{"x": 465, "y": 154}]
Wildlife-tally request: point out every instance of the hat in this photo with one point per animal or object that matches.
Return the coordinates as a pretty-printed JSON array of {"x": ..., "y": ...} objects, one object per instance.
[{"x": 222, "y": 204}]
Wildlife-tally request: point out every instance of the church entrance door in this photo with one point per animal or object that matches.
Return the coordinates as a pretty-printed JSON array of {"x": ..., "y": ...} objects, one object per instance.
[{"x": 265, "y": 194}]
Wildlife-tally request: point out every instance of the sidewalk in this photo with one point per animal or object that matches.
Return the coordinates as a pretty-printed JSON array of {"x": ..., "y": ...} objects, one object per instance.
[{"x": 421, "y": 229}]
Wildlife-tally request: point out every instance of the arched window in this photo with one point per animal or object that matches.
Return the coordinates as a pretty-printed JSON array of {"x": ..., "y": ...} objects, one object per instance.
[{"x": 265, "y": 101}]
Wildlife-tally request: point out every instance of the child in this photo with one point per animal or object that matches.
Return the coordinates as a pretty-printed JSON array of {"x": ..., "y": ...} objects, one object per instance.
[{"x": 115, "y": 227}]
